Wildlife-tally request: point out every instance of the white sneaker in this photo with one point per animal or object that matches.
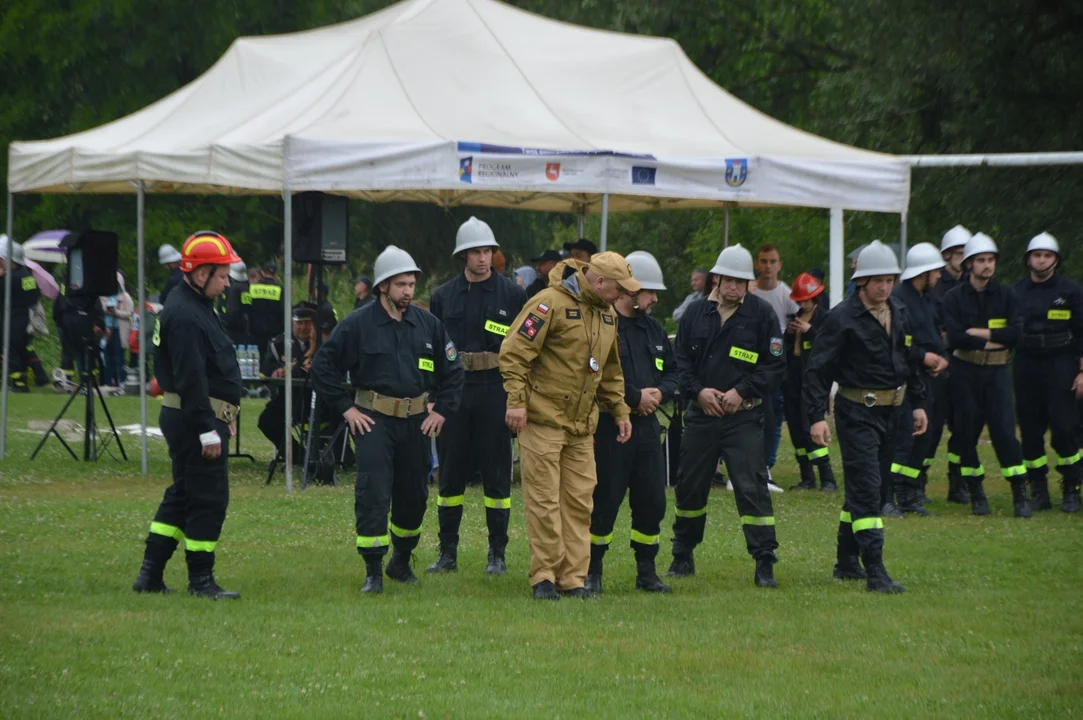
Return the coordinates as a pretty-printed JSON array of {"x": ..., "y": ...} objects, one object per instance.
[
  {"x": 774, "y": 488},
  {"x": 729, "y": 485}
]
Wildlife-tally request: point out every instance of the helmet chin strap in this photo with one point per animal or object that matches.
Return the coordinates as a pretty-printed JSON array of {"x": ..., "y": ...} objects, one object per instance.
[{"x": 202, "y": 289}]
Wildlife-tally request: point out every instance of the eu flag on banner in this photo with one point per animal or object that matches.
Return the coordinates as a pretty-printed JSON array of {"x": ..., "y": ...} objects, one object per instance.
[{"x": 643, "y": 175}]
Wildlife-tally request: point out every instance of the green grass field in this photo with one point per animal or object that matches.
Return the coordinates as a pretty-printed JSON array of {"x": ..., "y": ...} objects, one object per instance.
[{"x": 990, "y": 625}]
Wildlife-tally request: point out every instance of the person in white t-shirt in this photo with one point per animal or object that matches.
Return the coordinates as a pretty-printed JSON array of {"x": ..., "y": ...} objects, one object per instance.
[{"x": 776, "y": 294}]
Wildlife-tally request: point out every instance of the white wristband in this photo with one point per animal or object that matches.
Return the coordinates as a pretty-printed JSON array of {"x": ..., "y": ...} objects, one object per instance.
[{"x": 210, "y": 438}]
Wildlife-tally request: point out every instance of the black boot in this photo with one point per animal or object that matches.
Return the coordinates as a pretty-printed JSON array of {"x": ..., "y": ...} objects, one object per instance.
[
  {"x": 765, "y": 573},
  {"x": 155, "y": 556},
  {"x": 201, "y": 577},
  {"x": 374, "y": 575},
  {"x": 879, "y": 581},
  {"x": 909, "y": 502},
  {"x": 956, "y": 487},
  {"x": 979, "y": 505},
  {"x": 497, "y": 520},
  {"x": 1039, "y": 490},
  {"x": 827, "y": 475},
  {"x": 446, "y": 561},
  {"x": 891, "y": 510},
  {"x": 647, "y": 576},
  {"x": 923, "y": 481},
  {"x": 847, "y": 564},
  {"x": 1019, "y": 498},
  {"x": 683, "y": 565},
  {"x": 398, "y": 567},
  {"x": 496, "y": 564},
  {"x": 545, "y": 590},
  {"x": 1070, "y": 502},
  {"x": 593, "y": 583},
  {"x": 808, "y": 475}
]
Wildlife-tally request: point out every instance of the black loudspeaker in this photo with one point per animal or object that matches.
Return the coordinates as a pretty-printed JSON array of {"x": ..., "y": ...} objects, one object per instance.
[
  {"x": 320, "y": 224},
  {"x": 92, "y": 263}
]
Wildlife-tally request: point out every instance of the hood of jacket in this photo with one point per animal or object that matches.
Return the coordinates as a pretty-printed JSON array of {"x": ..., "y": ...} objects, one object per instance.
[{"x": 570, "y": 278}]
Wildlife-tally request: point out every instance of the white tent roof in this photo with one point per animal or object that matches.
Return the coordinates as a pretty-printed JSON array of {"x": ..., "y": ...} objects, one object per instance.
[{"x": 464, "y": 102}]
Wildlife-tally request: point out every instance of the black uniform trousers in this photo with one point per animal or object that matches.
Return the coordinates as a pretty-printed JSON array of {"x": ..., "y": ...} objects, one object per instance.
[
  {"x": 1044, "y": 400},
  {"x": 938, "y": 410},
  {"x": 393, "y": 464},
  {"x": 738, "y": 439},
  {"x": 476, "y": 438},
  {"x": 20, "y": 352},
  {"x": 194, "y": 506},
  {"x": 980, "y": 396},
  {"x": 867, "y": 437},
  {"x": 903, "y": 472},
  {"x": 636, "y": 468},
  {"x": 797, "y": 422},
  {"x": 272, "y": 422}
]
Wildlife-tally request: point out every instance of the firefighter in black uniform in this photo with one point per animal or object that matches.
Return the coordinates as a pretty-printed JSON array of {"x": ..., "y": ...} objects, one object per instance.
[
  {"x": 196, "y": 368},
  {"x": 952, "y": 274},
  {"x": 729, "y": 358},
  {"x": 983, "y": 323},
  {"x": 408, "y": 379},
  {"x": 635, "y": 467},
  {"x": 800, "y": 333},
  {"x": 1048, "y": 372},
  {"x": 863, "y": 345},
  {"x": 272, "y": 419},
  {"x": 476, "y": 308},
  {"x": 924, "y": 266},
  {"x": 265, "y": 308},
  {"x": 170, "y": 259},
  {"x": 234, "y": 304},
  {"x": 24, "y": 296}
]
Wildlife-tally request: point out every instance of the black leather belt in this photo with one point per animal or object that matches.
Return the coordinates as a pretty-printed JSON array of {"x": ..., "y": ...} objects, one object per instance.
[{"x": 1046, "y": 341}]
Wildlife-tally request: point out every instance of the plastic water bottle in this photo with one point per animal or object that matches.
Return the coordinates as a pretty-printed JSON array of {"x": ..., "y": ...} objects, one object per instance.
[{"x": 253, "y": 361}]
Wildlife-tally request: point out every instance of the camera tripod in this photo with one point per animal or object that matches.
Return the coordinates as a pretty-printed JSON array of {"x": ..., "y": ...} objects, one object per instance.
[{"x": 88, "y": 385}]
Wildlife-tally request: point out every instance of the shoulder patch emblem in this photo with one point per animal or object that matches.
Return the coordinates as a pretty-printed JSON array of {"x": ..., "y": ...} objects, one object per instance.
[
  {"x": 776, "y": 346},
  {"x": 573, "y": 314},
  {"x": 531, "y": 326},
  {"x": 450, "y": 352},
  {"x": 607, "y": 318},
  {"x": 543, "y": 308}
]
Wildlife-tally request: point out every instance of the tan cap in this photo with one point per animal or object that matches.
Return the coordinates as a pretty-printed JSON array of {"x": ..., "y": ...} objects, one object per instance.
[{"x": 613, "y": 266}]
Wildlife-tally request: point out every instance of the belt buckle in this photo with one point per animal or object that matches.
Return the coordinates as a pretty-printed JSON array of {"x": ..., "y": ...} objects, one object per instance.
[
  {"x": 228, "y": 414},
  {"x": 869, "y": 399},
  {"x": 746, "y": 404},
  {"x": 897, "y": 400}
]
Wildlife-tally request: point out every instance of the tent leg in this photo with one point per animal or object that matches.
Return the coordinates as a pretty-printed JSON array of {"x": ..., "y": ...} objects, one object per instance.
[
  {"x": 902, "y": 238},
  {"x": 605, "y": 221},
  {"x": 837, "y": 282},
  {"x": 582, "y": 221},
  {"x": 725, "y": 228},
  {"x": 140, "y": 240},
  {"x": 287, "y": 390},
  {"x": 7, "y": 327}
]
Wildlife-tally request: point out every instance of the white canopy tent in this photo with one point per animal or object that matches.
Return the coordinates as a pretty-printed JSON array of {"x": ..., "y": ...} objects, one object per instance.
[{"x": 461, "y": 102}]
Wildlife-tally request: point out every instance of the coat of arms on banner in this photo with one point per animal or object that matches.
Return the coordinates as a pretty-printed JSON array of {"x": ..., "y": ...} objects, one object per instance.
[
  {"x": 552, "y": 171},
  {"x": 736, "y": 171},
  {"x": 466, "y": 169}
]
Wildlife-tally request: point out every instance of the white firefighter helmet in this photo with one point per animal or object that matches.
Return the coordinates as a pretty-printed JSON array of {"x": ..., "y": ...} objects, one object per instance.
[
  {"x": 391, "y": 262},
  {"x": 238, "y": 271},
  {"x": 474, "y": 233},
  {"x": 1044, "y": 241},
  {"x": 958, "y": 236},
  {"x": 734, "y": 262},
  {"x": 876, "y": 259},
  {"x": 920, "y": 259},
  {"x": 168, "y": 254},
  {"x": 646, "y": 270},
  {"x": 979, "y": 244}
]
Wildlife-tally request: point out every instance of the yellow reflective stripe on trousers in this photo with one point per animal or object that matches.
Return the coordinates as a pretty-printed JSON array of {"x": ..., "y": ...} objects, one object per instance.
[
  {"x": 845, "y": 517},
  {"x": 690, "y": 513},
  {"x": 1035, "y": 464},
  {"x": 1070, "y": 460},
  {"x": 868, "y": 524},
  {"x": 601, "y": 539},
  {"x": 819, "y": 453},
  {"x": 752, "y": 520},
  {"x": 953, "y": 458},
  {"x": 497, "y": 503},
  {"x": 370, "y": 541},
  {"x": 1014, "y": 471},
  {"x": 638, "y": 537},
  {"x": 453, "y": 501},
  {"x": 199, "y": 545},
  {"x": 972, "y": 472},
  {"x": 402, "y": 532},
  {"x": 170, "y": 531},
  {"x": 905, "y": 471},
  {"x": 801, "y": 452}
]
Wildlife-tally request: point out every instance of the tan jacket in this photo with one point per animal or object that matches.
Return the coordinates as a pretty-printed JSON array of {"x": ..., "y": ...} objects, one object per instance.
[{"x": 545, "y": 358}]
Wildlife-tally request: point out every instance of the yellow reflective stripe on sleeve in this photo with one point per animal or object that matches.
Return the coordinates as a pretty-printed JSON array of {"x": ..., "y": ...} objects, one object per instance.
[
  {"x": 497, "y": 503},
  {"x": 265, "y": 292},
  {"x": 744, "y": 355},
  {"x": 1014, "y": 471},
  {"x": 1041, "y": 462},
  {"x": 752, "y": 520},
  {"x": 1059, "y": 315},
  {"x": 690, "y": 513},
  {"x": 659, "y": 364},
  {"x": 845, "y": 517},
  {"x": 402, "y": 532},
  {"x": 806, "y": 345},
  {"x": 909, "y": 340},
  {"x": 199, "y": 545},
  {"x": 868, "y": 524},
  {"x": 170, "y": 531},
  {"x": 1070, "y": 460},
  {"x": 426, "y": 364},
  {"x": 496, "y": 328},
  {"x": 972, "y": 472},
  {"x": 819, "y": 453},
  {"x": 369, "y": 541},
  {"x": 29, "y": 283},
  {"x": 453, "y": 501},
  {"x": 953, "y": 458},
  {"x": 998, "y": 323},
  {"x": 801, "y": 452},
  {"x": 905, "y": 471},
  {"x": 601, "y": 539},
  {"x": 638, "y": 537}
]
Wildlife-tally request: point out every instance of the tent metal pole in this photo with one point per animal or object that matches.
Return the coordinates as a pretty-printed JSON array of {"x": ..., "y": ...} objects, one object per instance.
[
  {"x": 7, "y": 326},
  {"x": 995, "y": 159},
  {"x": 725, "y": 228},
  {"x": 287, "y": 318},
  {"x": 140, "y": 243},
  {"x": 902, "y": 238},
  {"x": 605, "y": 220},
  {"x": 837, "y": 242},
  {"x": 582, "y": 221}
]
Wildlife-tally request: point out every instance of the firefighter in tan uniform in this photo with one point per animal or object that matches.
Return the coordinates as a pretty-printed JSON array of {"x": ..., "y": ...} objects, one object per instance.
[{"x": 560, "y": 365}]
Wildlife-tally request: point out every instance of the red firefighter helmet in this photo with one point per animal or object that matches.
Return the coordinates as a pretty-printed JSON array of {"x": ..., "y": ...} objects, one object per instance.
[
  {"x": 206, "y": 247},
  {"x": 805, "y": 288}
]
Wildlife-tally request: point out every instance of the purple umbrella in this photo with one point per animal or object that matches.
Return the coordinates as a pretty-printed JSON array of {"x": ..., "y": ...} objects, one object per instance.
[
  {"x": 44, "y": 247},
  {"x": 46, "y": 282}
]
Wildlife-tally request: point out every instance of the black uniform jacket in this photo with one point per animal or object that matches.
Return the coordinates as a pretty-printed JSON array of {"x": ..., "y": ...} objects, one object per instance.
[
  {"x": 922, "y": 310},
  {"x": 175, "y": 280},
  {"x": 1051, "y": 311},
  {"x": 264, "y": 310},
  {"x": 853, "y": 349},
  {"x": 478, "y": 316},
  {"x": 795, "y": 364},
  {"x": 400, "y": 359},
  {"x": 996, "y": 309},
  {"x": 646, "y": 358},
  {"x": 744, "y": 355},
  {"x": 194, "y": 357},
  {"x": 275, "y": 357}
]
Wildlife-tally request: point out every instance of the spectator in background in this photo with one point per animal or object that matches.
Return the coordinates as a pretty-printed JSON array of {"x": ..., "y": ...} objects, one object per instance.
[
  {"x": 822, "y": 298},
  {"x": 118, "y": 310},
  {"x": 362, "y": 289},
  {"x": 699, "y": 292},
  {"x": 499, "y": 263},
  {"x": 581, "y": 250},
  {"x": 323, "y": 301},
  {"x": 544, "y": 264},
  {"x": 775, "y": 293},
  {"x": 253, "y": 275},
  {"x": 525, "y": 276}
]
